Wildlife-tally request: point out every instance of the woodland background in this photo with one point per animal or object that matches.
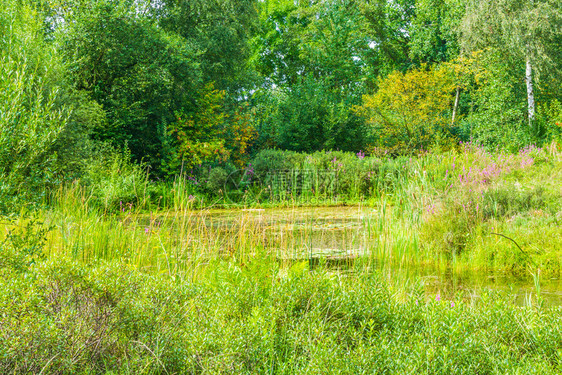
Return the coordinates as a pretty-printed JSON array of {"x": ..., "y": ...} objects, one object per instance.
[{"x": 203, "y": 87}]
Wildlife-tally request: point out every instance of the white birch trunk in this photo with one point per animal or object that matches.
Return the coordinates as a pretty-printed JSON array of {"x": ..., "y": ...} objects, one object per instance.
[
  {"x": 455, "y": 108},
  {"x": 530, "y": 95}
]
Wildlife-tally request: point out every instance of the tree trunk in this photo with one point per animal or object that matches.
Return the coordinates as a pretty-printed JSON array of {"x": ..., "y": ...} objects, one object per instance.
[
  {"x": 530, "y": 95},
  {"x": 456, "y": 106}
]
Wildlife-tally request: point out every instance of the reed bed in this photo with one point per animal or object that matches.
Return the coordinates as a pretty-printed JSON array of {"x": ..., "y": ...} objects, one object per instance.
[{"x": 446, "y": 210}]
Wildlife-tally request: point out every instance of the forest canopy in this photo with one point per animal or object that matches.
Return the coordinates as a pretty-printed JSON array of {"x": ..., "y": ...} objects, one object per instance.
[{"x": 179, "y": 85}]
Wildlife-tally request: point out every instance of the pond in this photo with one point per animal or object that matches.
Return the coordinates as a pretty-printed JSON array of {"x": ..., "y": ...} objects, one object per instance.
[{"x": 341, "y": 236}]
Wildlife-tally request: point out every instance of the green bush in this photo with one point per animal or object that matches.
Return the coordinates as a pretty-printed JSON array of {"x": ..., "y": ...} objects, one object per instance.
[
  {"x": 216, "y": 180},
  {"x": 45, "y": 121},
  {"x": 30, "y": 122},
  {"x": 114, "y": 180},
  {"x": 549, "y": 120},
  {"x": 255, "y": 318},
  {"x": 412, "y": 111},
  {"x": 354, "y": 175},
  {"x": 311, "y": 115},
  {"x": 23, "y": 245}
]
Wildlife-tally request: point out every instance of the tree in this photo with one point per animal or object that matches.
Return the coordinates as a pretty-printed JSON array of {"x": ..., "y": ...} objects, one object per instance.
[
  {"x": 494, "y": 100},
  {"x": 30, "y": 120},
  {"x": 334, "y": 45},
  {"x": 139, "y": 73},
  {"x": 277, "y": 45},
  {"x": 207, "y": 134},
  {"x": 220, "y": 30},
  {"x": 146, "y": 62},
  {"x": 313, "y": 58},
  {"x": 433, "y": 31},
  {"x": 411, "y": 111},
  {"x": 198, "y": 136},
  {"x": 522, "y": 28},
  {"x": 388, "y": 28}
]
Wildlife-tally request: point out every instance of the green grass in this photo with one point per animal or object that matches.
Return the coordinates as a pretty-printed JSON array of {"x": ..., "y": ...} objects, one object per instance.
[
  {"x": 450, "y": 210},
  {"x": 469, "y": 210},
  {"x": 134, "y": 288}
]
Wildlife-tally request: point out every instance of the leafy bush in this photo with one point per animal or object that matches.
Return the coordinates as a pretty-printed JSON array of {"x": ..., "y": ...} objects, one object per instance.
[
  {"x": 114, "y": 180},
  {"x": 256, "y": 318},
  {"x": 30, "y": 122},
  {"x": 216, "y": 180},
  {"x": 549, "y": 119},
  {"x": 345, "y": 175},
  {"x": 411, "y": 111},
  {"x": 497, "y": 117},
  {"x": 310, "y": 116},
  {"x": 199, "y": 137},
  {"x": 23, "y": 245}
]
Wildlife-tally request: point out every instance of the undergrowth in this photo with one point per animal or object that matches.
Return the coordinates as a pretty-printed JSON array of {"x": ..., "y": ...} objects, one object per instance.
[{"x": 62, "y": 317}]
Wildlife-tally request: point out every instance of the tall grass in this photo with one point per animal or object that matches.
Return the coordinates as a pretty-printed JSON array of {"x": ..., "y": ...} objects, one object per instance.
[
  {"x": 442, "y": 210},
  {"x": 134, "y": 288}
]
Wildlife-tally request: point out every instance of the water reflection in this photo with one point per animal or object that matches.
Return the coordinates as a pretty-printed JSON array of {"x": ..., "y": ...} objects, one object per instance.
[
  {"x": 342, "y": 237},
  {"x": 448, "y": 283}
]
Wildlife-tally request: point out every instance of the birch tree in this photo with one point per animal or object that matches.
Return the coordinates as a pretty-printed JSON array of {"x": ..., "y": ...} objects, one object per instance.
[{"x": 524, "y": 28}]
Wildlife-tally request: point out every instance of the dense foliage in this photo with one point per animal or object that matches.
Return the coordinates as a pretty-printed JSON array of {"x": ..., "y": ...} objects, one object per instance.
[
  {"x": 119, "y": 117},
  {"x": 62, "y": 318},
  {"x": 182, "y": 85}
]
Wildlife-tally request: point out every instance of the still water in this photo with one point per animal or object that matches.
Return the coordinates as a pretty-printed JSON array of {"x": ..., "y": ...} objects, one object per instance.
[{"x": 342, "y": 236}]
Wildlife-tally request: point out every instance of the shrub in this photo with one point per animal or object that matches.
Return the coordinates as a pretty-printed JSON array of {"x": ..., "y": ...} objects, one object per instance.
[
  {"x": 30, "y": 122},
  {"x": 23, "y": 244},
  {"x": 497, "y": 116},
  {"x": 314, "y": 114},
  {"x": 114, "y": 180},
  {"x": 549, "y": 119},
  {"x": 216, "y": 180},
  {"x": 257, "y": 317},
  {"x": 411, "y": 111}
]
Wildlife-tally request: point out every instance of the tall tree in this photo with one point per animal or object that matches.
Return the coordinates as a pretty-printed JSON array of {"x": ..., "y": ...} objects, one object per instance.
[
  {"x": 138, "y": 72},
  {"x": 388, "y": 28},
  {"x": 221, "y": 30},
  {"x": 145, "y": 62},
  {"x": 523, "y": 28},
  {"x": 433, "y": 31},
  {"x": 277, "y": 45},
  {"x": 314, "y": 58},
  {"x": 31, "y": 121}
]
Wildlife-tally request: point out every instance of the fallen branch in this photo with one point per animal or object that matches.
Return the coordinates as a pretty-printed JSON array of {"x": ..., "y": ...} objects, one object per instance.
[{"x": 519, "y": 247}]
